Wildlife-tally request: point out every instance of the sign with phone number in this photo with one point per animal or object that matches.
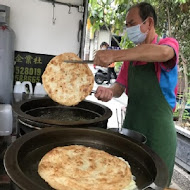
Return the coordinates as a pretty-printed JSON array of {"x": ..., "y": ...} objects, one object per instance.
[{"x": 30, "y": 66}]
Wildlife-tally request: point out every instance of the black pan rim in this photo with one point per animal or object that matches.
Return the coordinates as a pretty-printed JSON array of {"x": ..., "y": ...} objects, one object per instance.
[{"x": 21, "y": 114}]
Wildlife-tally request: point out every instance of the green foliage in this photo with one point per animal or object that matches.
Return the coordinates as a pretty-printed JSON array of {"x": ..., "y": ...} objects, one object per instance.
[
  {"x": 125, "y": 42},
  {"x": 118, "y": 66},
  {"x": 186, "y": 115},
  {"x": 180, "y": 1}
]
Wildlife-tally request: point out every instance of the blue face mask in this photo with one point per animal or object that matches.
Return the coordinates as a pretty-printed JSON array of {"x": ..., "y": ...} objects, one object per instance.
[{"x": 135, "y": 35}]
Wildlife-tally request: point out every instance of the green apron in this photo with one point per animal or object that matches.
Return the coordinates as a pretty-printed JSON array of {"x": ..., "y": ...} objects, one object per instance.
[{"x": 149, "y": 113}]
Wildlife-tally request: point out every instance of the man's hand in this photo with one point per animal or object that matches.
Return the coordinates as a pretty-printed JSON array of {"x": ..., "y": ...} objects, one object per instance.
[
  {"x": 104, "y": 58},
  {"x": 104, "y": 94}
]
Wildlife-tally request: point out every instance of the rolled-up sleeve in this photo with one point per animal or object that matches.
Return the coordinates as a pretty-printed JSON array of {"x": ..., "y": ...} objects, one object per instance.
[{"x": 173, "y": 43}]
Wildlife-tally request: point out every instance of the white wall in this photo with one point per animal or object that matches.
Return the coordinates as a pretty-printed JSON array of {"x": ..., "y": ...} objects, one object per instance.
[{"x": 31, "y": 21}]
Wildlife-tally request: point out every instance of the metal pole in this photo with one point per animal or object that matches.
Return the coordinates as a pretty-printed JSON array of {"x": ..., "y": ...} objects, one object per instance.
[{"x": 85, "y": 17}]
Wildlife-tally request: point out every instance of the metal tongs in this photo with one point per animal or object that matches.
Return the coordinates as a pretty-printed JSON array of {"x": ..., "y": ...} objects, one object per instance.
[
  {"x": 93, "y": 92},
  {"x": 79, "y": 61}
]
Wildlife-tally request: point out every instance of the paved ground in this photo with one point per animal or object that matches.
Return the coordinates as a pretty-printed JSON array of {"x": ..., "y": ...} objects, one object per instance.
[{"x": 181, "y": 179}]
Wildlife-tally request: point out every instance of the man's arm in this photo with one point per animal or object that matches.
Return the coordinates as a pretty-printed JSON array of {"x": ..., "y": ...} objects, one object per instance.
[
  {"x": 144, "y": 53},
  {"x": 147, "y": 53},
  {"x": 117, "y": 90},
  {"x": 106, "y": 94}
]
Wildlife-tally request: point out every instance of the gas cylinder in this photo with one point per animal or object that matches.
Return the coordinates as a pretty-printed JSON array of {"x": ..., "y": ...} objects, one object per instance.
[{"x": 6, "y": 59}]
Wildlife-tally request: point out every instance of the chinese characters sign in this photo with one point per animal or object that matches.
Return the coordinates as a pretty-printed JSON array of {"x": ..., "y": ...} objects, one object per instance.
[{"x": 30, "y": 66}]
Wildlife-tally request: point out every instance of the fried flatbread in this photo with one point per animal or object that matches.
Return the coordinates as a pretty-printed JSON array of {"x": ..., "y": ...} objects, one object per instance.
[
  {"x": 77, "y": 167},
  {"x": 67, "y": 83}
]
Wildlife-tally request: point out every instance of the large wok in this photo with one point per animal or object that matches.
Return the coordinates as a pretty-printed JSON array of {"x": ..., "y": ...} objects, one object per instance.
[
  {"x": 43, "y": 112},
  {"x": 22, "y": 157}
]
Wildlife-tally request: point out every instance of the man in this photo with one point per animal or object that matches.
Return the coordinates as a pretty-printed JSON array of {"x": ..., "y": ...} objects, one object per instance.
[
  {"x": 149, "y": 78},
  {"x": 104, "y": 46},
  {"x": 110, "y": 71}
]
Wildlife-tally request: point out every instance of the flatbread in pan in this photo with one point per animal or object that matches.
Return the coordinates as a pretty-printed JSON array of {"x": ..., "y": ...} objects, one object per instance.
[
  {"x": 77, "y": 167},
  {"x": 67, "y": 83}
]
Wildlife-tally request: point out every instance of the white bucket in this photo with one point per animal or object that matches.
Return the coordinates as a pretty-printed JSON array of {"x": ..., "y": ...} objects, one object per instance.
[
  {"x": 21, "y": 87},
  {"x": 39, "y": 89}
]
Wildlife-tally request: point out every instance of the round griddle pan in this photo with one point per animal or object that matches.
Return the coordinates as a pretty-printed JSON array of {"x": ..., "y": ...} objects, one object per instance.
[
  {"x": 22, "y": 157},
  {"x": 44, "y": 111}
]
